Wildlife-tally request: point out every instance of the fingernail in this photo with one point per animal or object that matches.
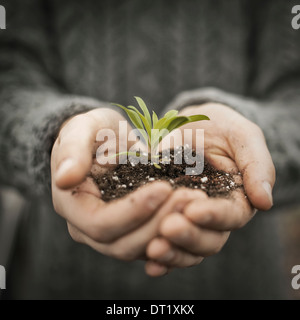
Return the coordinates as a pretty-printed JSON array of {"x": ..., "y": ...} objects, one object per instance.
[
  {"x": 268, "y": 189},
  {"x": 64, "y": 167}
]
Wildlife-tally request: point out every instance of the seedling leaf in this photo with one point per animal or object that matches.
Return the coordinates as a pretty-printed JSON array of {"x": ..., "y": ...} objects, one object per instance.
[
  {"x": 154, "y": 118},
  {"x": 145, "y": 110},
  {"x": 169, "y": 122},
  {"x": 135, "y": 119},
  {"x": 144, "y": 120}
]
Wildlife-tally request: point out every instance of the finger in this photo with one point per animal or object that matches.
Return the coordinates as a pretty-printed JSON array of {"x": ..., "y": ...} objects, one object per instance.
[
  {"x": 118, "y": 250},
  {"x": 190, "y": 237},
  {"x": 140, "y": 237},
  {"x": 163, "y": 252},
  {"x": 105, "y": 222},
  {"x": 180, "y": 197},
  {"x": 254, "y": 161},
  {"x": 155, "y": 269},
  {"x": 73, "y": 150},
  {"x": 221, "y": 214},
  {"x": 133, "y": 244}
]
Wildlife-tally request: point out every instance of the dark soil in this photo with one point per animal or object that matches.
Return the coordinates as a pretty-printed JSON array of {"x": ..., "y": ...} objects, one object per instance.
[{"x": 125, "y": 178}]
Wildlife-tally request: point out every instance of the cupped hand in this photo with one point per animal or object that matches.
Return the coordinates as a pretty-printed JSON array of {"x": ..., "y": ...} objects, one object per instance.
[
  {"x": 233, "y": 143},
  {"x": 122, "y": 228},
  {"x": 202, "y": 226}
]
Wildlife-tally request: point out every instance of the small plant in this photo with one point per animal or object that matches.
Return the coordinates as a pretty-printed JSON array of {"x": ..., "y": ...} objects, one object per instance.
[{"x": 152, "y": 129}]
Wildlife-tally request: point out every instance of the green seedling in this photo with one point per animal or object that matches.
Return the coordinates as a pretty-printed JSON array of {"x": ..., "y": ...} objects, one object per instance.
[{"x": 152, "y": 129}]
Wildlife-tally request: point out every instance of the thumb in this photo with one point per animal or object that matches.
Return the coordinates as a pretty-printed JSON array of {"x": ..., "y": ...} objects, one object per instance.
[
  {"x": 73, "y": 151},
  {"x": 254, "y": 161}
]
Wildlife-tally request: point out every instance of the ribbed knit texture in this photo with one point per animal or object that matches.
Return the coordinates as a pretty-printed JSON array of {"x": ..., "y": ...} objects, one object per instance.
[{"x": 58, "y": 58}]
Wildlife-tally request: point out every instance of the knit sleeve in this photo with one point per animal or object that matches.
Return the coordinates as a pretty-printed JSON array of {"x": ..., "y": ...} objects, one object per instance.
[
  {"x": 273, "y": 97},
  {"x": 33, "y": 100}
]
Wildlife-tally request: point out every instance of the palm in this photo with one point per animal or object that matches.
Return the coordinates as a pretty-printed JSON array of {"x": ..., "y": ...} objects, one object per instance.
[{"x": 121, "y": 228}]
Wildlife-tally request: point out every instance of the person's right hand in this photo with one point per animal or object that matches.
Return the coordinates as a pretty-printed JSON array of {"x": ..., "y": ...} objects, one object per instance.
[{"x": 121, "y": 229}]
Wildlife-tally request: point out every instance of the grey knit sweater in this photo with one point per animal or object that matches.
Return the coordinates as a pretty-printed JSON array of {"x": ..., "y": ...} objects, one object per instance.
[{"x": 58, "y": 58}]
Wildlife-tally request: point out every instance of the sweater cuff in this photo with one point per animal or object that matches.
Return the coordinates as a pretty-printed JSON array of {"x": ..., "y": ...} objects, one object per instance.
[
  {"x": 36, "y": 134},
  {"x": 248, "y": 108}
]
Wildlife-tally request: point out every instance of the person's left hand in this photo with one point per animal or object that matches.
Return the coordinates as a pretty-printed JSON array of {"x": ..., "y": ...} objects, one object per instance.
[
  {"x": 200, "y": 227},
  {"x": 197, "y": 228}
]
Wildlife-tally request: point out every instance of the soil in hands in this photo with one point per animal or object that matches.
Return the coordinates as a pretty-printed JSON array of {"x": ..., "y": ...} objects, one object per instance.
[{"x": 125, "y": 178}]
